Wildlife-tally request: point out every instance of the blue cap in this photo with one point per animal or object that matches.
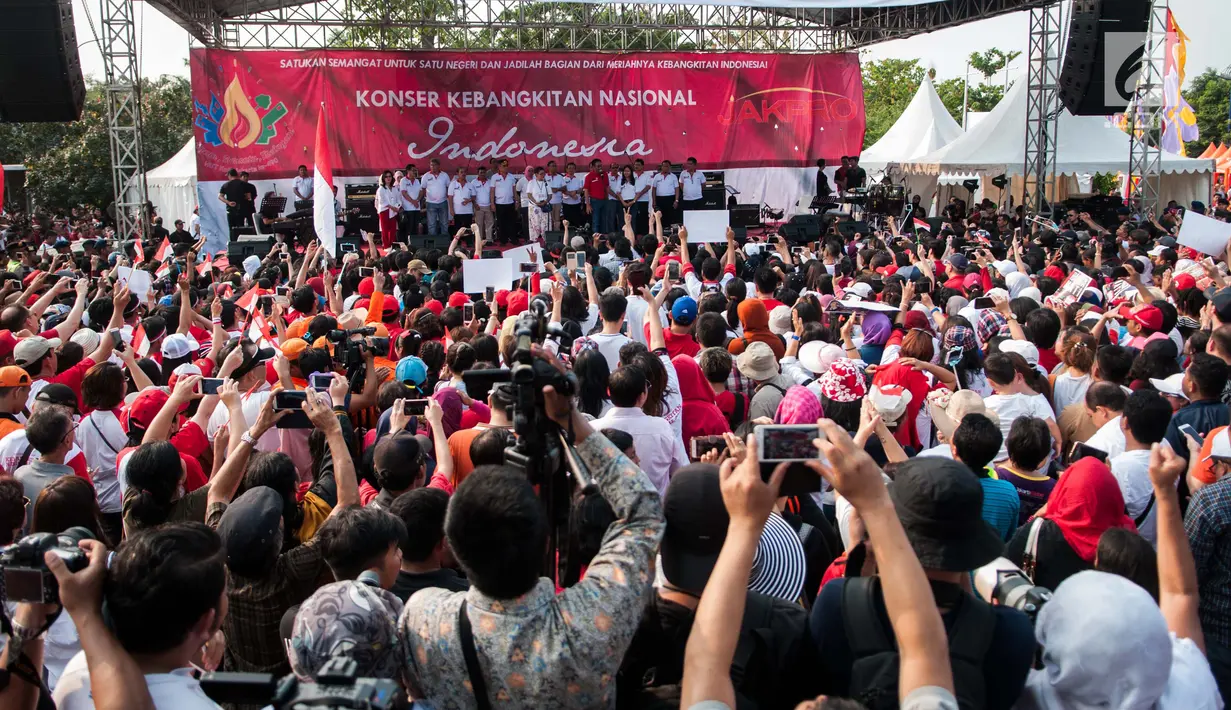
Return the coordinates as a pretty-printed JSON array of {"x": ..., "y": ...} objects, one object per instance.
[
  {"x": 61, "y": 242},
  {"x": 684, "y": 310},
  {"x": 411, "y": 369}
]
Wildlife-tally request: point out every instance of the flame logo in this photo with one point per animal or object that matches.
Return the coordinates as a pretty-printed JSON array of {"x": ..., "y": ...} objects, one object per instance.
[
  {"x": 238, "y": 121},
  {"x": 237, "y": 106}
]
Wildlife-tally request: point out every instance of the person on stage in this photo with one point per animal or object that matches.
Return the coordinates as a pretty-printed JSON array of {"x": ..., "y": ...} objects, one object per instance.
[
  {"x": 232, "y": 194},
  {"x": 691, "y": 182},
  {"x": 504, "y": 194},
  {"x": 388, "y": 207},
  {"x": 555, "y": 181},
  {"x": 538, "y": 194},
  {"x": 615, "y": 208},
  {"x": 574, "y": 186},
  {"x": 596, "y": 188},
  {"x": 666, "y": 191},
  {"x": 643, "y": 181},
  {"x": 436, "y": 192},
  {"x": 822, "y": 183},
  {"x": 411, "y": 188},
  {"x": 626, "y": 189},
  {"x": 856, "y": 177},
  {"x": 461, "y": 201},
  {"x": 484, "y": 212},
  {"x": 839, "y": 176},
  {"x": 250, "y": 194},
  {"x": 522, "y": 186},
  {"x": 302, "y": 187}
]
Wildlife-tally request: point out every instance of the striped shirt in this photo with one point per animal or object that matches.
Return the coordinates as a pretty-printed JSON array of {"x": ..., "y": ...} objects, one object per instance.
[{"x": 1000, "y": 506}]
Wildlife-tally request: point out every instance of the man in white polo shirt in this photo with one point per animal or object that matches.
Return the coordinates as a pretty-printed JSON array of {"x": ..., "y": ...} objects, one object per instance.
[
  {"x": 411, "y": 188},
  {"x": 643, "y": 183},
  {"x": 555, "y": 183},
  {"x": 504, "y": 194},
  {"x": 302, "y": 187},
  {"x": 574, "y": 184},
  {"x": 483, "y": 215},
  {"x": 691, "y": 182},
  {"x": 666, "y": 189},
  {"x": 461, "y": 201},
  {"x": 436, "y": 192}
]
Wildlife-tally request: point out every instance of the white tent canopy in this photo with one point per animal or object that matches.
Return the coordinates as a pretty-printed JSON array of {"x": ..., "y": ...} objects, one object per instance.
[
  {"x": 172, "y": 186},
  {"x": 923, "y": 127}
]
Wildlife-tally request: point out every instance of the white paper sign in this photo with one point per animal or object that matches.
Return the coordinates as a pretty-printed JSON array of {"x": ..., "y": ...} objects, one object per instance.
[
  {"x": 1205, "y": 234},
  {"x": 707, "y": 226},
  {"x": 1072, "y": 288},
  {"x": 138, "y": 282},
  {"x": 478, "y": 274},
  {"x": 528, "y": 253}
]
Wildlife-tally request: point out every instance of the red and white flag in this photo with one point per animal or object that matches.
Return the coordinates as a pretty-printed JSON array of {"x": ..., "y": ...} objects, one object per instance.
[
  {"x": 139, "y": 252},
  {"x": 920, "y": 224},
  {"x": 204, "y": 267},
  {"x": 140, "y": 344},
  {"x": 222, "y": 261},
  {"x": 162, "y": 249},
  {"x": 323, "y": 216}
]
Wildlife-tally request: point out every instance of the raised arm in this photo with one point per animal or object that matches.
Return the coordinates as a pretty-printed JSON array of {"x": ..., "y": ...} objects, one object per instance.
[
  {"x": 223, "y": 486},
  {"x": 73, "y": 321},
  {"x": 61, "y": 286},
  {"x": 323, "y": 418},
  {"x": 440, "y": 443},
  {"x": 105, "y": 345},
  {"x": 309, "y": 258},
  {"x": 1177, "y": 572},
  {"x": 183, "y": 393},
  {"x": 657, "y": 342}
]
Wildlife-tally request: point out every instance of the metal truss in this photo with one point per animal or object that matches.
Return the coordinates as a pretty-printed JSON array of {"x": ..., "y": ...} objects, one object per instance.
[
  {"x": 1145, "y": 153},
  {"x": 119, "y": 50},
  {"x": 1042, "y": 105}
]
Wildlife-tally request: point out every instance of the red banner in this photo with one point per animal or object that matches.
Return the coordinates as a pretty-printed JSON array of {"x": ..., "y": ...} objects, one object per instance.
[{"x": 257, "y": 110}]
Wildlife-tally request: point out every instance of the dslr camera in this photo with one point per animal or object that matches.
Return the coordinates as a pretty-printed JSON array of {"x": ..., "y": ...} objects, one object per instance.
[
  {"x": 1003, "y": 582},
  {"x": 335, "y": 686},
  {"x": 26, "y": 577},
  {"x": 349, "y": 352}
]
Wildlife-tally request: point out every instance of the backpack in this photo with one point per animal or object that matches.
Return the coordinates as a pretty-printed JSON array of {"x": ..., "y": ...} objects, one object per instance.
[
  {"x": 874, "y": 673},
  {"x": 739, "y": 411}
]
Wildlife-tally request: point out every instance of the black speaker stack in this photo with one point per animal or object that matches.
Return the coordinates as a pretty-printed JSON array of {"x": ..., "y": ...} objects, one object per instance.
[
  {"x": 1106, "y": 43},
  {"x": 40, "y": 72},
  {"x": 363, "y": 197}
]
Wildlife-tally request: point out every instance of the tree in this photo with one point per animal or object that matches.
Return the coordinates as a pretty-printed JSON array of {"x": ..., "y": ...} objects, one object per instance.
[
  {"x": 992, "y": 61},
  {"x": 69, "y": 164},
  {"x": 983, "y": 96},
  {"x": 1209, "y": 94},
  {"x": 888, "y": 86}
]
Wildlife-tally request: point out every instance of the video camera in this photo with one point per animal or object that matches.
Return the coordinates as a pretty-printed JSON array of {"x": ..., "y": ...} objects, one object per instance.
[
  {"x": 26, "y": 577},
  {"x": 349, "y": 352},
  {"x": 335, "y": 686},
  {"x": 1004, "y": 582}
]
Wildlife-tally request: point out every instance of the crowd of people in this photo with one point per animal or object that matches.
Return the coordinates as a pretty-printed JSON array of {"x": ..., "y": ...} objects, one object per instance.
[{"x": 271, "y": 466}]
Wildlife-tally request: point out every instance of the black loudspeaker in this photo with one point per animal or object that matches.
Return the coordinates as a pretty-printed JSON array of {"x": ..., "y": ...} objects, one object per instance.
[
  {"x": 1103, "y": 54},
  {"x": 804, "y": 227},
  {"x": 551, "y": 238},
  {"x": 245, "y": 246},
  {"x": 713, "y": 198},
  {"x": 745, "y": 215},
  {"x": 363, "y": 197},
  {"x": 848, "y": 229},
  {"x": 40, "y": 72}
]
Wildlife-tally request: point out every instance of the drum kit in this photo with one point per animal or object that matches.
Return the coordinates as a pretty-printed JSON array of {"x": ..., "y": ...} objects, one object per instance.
[{"x": 877, "y": 202}]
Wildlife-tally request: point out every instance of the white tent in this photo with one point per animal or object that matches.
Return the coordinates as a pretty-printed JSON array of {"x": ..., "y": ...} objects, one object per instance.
[
  {"x": 172, "y": 186},
  {"x": 923, "y": 127},
  {"x": 1086, "y": 144}
]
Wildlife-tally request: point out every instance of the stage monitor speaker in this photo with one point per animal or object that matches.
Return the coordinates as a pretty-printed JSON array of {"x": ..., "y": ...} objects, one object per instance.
[
  {"x": 803, "y": 228},
  {"x": 354, "y": 240},
  {"x": 849, "y": 229},
  {"x": 1103, "y": 56},
  {"x": 40, "y": 72},
  {"x": 745, "y": 215},
  {"x": 551, "y": 238},
  {"x": 713, "y": 198},
  {"x": 245, "y": 246}
]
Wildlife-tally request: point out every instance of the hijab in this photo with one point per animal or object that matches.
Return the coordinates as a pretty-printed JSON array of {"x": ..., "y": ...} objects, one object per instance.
[
  {"x": 451, "y": 402},
  {"x": 798, "y": 406},
  {"x": 1106, "y": 647},
  {"x": 1085, "y": 503},
  {"x": 1016, "y": 282},
  {"x": 876, "y": 328},
  {"x": 755, "y": 320},
  {"x": 701, "y": 415}
]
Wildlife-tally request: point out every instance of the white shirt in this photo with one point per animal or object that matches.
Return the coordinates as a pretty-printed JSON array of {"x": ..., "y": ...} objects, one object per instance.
[
  {"x": 502, "y": 188},
  {"x": 574, "y": 184},
  {"x": 1132, "y": 472},
  {"x": 482, "y": 189},
  {"x": 1010, "y": 407},
  {"x": 627, "y": 190},
  {"x": 461, "y": 192},
  {"x": 665, "y": 185},
  {"x": 692, "y": 183},
  {"x": 1109, "y": 438},
  {"x": 635, "y": 315},
  {"x": 437, "y": 187},
  {"x": 608, "y": 345},
  {"x": 251, "y": 406},
  {"x": 194, "y": 224},
  {"x": 642, "y": 181},
  {"x": 411, "y": 190},
  {"x": 387, "y": 198},
  {"x": 14, "y": 444},
  {"x": 660, "y": 449},
  {"x": 556, "y": 183},
  {"x": 101, "y": 437},
  {"x": 176, "y": 690},
  {"x": 694, "y": 285},
  {"x": 537, "y": 189},
  {"x": 303, "y": 185}
]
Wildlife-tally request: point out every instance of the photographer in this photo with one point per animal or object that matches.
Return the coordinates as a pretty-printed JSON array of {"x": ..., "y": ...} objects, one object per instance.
[{"x": 526, "y": 644}]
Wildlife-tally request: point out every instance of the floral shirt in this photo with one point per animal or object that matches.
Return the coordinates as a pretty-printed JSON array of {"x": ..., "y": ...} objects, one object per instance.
[{"x": 546, "y": 650}]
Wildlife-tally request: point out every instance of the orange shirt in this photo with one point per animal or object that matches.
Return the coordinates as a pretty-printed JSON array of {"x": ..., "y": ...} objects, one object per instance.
[
  {"x": 1204, "y": 471},
  {"x": 7, "y": 426},
  {"x": 459, "y": 449}
]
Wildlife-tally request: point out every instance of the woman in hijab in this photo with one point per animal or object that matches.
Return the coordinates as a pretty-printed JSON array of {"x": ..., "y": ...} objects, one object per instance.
[
  {"x": 702, "y": 417},
  {"x": 1016, "y": 282},
  {"x": 755, "y": 320},
  {"x": 1084, "y": 504},
  {"x": 876, "y": 331},
  {"x": 798, "y": 406},
  {"x": 450, "y": 401}
]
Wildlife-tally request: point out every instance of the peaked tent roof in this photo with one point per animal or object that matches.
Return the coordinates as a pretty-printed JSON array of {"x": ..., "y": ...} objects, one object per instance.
[
  {"x": 923, "y": 127},
  {"x": 181, "y": 167},
  {"x": 1209, "y": 151},
  {"x": 1087, "y": 144}
]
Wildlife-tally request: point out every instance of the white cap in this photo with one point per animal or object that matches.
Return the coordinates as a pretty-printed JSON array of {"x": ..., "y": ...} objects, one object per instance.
[
  {"x": 1005, "y": 267},
  {"x": 1173, "y": 385},
  {"x": 252, "y": 264},
  {"x": 1025, "y": 348},
  {"x": 1220, "y": 447},
  {"x": 860, "y": 289},
  {"x": 1156, "y": 251}
]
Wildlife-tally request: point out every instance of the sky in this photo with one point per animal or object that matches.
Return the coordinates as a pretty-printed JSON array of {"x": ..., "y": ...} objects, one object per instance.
[{"x": 164, "y": 45}]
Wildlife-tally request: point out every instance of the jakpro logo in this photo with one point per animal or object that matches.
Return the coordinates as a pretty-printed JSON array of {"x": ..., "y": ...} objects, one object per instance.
[
  {"x": 237, "y": 120},
  {"x": 801, "y": 103},
  {"x": 1122, "y": 55}
]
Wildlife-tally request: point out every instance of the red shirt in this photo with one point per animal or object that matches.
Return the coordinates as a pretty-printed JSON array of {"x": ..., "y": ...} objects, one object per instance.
[
  {"x": 72, "y": 377},
  {"x": 680, "y": 344},
  {"x": 771, "y": 303},
  {"x": 1048, "y": 359},
  {"x": 596, "y": 185}
]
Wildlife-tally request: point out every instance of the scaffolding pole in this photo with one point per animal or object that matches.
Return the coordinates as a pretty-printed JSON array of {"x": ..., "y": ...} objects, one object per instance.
[
  {"x": 1145, "y": 153},
  {"x": 1042, "y": 105},
  {"x": 123, "y": 98}
]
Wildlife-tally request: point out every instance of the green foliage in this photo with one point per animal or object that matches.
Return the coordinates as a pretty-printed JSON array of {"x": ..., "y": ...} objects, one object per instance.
[
  {"x": 1208, "y": 94},
  {"x": 1105, "y": 183},
  {"x": 888, "y": 86},
  {"x": 993, "y": 60},
  {"x": 69, "y": 164}
]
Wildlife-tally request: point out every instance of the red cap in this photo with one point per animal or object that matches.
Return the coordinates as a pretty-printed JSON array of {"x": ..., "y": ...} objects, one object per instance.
[
  {"x": 435, "y": 306},
  {"x": 1183, "y": 282},
  {"x": 7, "y": 343},
  {"x": 889, "y": 270},
  {"x": 367, "y": 286},
  {"x": 1054, "y": 272},
  {"x": 502, "y": 298},
  {"x": 30, "y": 278},
  {"x": 206, "y": 366},
  {"x": 146, "y": 406},
  {"x": 318, "y": 285},
  {"x": 458, "y": 300},
  {"x": 518, "y": 302},
  {"x": 1149, "y": 317},
  {"x": 362, "y": 303}
]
